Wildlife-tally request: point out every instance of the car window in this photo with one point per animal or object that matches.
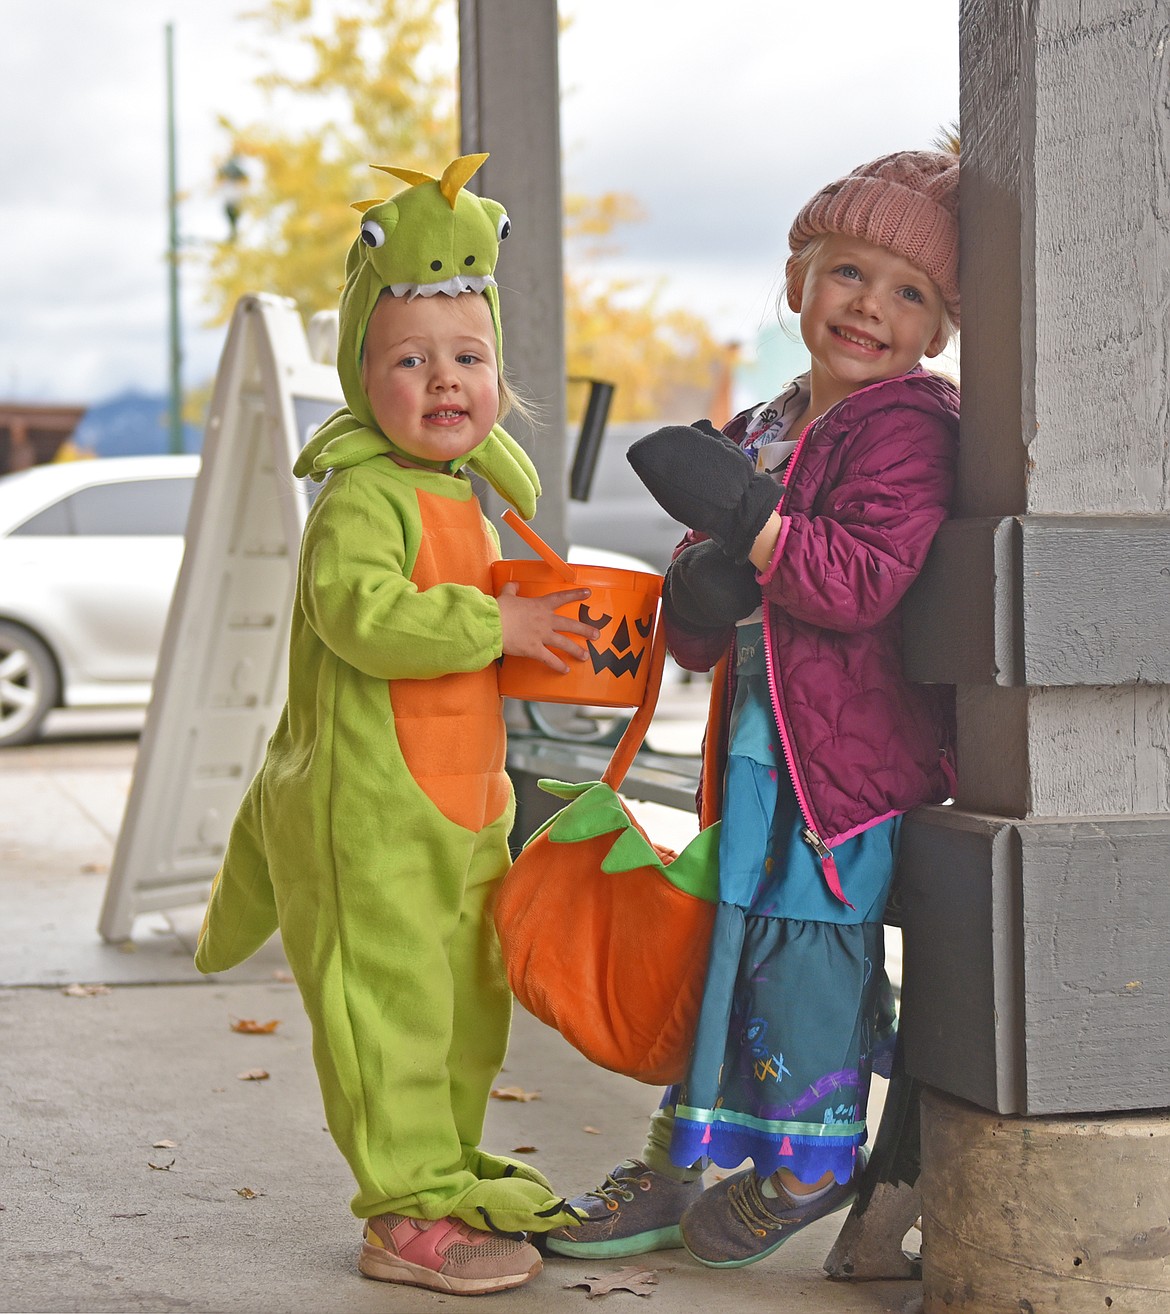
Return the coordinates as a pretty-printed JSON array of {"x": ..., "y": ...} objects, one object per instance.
[
  {"x": 135, "y": 507},
  {"x": 52, "y": 520}
]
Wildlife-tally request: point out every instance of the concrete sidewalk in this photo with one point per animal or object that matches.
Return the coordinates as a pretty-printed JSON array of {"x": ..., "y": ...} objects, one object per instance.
[{"x": 138, "y": 1171}]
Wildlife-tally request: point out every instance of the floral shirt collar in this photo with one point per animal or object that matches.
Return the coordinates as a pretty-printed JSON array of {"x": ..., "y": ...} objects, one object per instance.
[{"x": 772, "y": 421}]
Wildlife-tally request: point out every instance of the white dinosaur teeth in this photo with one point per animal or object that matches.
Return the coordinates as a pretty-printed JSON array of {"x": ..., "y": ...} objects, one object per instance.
[{"x": 451, "y": 287}]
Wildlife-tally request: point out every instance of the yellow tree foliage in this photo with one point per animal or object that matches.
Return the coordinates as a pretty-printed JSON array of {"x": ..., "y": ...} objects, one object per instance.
[
  {"x": 371, "y": 86},
  {"x": 665, "y": 363},
  {"x": 367, "y": 88}
]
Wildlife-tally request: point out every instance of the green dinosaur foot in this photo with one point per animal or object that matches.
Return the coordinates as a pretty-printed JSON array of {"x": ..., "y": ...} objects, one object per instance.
[
  {"x": 512, "y": 1204},
  {"x": 493, "y": 1167}
]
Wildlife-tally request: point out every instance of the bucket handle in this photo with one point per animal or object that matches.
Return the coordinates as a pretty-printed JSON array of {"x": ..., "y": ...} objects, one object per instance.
[{"x": 628, "y": 745}]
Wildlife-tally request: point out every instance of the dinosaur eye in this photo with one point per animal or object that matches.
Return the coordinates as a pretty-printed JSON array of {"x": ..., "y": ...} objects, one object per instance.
[
  {"x": 372, "y": 233},
  {"x": 504, "y": 227}
]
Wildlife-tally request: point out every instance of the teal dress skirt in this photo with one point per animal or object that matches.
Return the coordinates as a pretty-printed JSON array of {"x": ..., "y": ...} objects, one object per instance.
[{"x": 797, "y": 1007}]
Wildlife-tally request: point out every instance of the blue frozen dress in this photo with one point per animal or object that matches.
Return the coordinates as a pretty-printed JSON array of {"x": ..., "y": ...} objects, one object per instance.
[{"x": 796, "y": 1004}]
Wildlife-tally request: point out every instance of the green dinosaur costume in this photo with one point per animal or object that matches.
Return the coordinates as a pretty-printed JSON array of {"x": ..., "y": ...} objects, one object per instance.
[{"x": 377, "y": 827}]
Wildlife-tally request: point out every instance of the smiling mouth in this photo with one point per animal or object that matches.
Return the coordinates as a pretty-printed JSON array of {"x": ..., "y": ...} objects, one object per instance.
[
  {"x": 445, "y": 415},
  {"x": 870, "y": 344}
]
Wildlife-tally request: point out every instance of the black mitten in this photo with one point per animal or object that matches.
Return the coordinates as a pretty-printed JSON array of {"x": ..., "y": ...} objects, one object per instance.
[
  {"x": 704, "y": 481},
  {"x": 706, "y": 590}
]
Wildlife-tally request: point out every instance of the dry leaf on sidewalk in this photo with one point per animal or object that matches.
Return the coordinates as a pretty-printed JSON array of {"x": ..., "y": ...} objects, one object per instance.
[
  {"x": 253, "y": 1074},
  {"x": 249, "y": 1027},
  {"x": 248, "y": 1193},
  {"x": 161, "y": 1167},
  {"x": 593, "y": 1131},
  {"x": 163, "y": 1145},
  {"x": 641, "y": 1281},
  {"x": 515, "y": 1093},
  {"x": 85, "y": 991},
  {"x": 523, "y": 1149}
]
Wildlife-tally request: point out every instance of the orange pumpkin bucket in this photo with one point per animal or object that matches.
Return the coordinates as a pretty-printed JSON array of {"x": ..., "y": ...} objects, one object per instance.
[
  {"x": 604, "y": 934},
  {"x": 622, "y": 604}
]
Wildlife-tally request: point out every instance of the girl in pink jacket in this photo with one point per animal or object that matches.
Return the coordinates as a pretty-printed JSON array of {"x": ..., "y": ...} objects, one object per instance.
[{"x": 809, "y": 519}]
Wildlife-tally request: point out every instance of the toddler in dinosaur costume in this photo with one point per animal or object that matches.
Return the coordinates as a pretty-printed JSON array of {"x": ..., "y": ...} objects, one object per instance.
[{"x": 377, "y": 827}]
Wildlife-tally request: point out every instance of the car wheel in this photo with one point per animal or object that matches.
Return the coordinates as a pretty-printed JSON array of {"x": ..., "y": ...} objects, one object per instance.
[{"x": 29, "y": 684}]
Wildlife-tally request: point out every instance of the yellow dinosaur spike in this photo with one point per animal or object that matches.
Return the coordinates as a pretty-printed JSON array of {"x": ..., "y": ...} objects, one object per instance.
[
  {"x": 411, "y": 176},
  {"x": 457, "y": 173},
  {"x": 362, "y": 206}
]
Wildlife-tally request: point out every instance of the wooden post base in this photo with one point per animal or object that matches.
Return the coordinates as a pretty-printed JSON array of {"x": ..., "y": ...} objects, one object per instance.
[{"x": 1043, "y": 1214}]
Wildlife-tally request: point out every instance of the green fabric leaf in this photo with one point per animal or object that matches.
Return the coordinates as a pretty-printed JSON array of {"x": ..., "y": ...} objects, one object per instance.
[
  {"x": 696, "y": 869},
  {"x": 595, "y": 809},
  {"x": 630, "y": 851}
]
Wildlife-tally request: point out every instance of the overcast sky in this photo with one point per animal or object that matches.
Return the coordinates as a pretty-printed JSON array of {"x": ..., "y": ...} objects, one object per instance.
[{"x": 720, "y": 118}]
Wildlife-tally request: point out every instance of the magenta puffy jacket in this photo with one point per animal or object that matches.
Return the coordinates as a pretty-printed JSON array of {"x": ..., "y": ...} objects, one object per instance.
[{"x": 864, "y": 493}]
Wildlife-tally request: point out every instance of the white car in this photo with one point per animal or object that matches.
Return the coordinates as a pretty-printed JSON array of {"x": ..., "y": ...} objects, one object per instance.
[{"x": 89, "y": 554}]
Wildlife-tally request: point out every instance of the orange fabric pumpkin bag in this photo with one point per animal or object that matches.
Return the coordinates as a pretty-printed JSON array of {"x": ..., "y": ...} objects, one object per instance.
[{"x": 605, "y": 935}]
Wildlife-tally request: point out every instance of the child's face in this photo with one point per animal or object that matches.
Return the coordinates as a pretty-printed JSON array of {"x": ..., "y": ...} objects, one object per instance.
[
  {"x": 429, "y": 371},
  {"x": 866, "y": 314}
]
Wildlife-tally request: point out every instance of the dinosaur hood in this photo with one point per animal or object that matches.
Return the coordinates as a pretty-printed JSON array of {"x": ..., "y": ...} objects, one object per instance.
[{"x": 433, "y": 239}]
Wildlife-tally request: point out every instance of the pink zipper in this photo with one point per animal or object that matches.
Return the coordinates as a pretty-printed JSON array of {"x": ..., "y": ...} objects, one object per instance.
[{"x": 809, "y": 833}]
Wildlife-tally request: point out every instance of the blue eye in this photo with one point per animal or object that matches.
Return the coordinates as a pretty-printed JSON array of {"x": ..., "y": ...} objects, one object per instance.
[{"x": 372, "y": 233}]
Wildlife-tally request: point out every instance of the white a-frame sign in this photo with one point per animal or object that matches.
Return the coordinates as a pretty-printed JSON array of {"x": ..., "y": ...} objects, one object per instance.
[{"x": 222, "y": 674}]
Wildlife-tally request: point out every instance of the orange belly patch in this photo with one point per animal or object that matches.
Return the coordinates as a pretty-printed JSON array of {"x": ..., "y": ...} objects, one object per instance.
[{"x": 451, "y": 728}]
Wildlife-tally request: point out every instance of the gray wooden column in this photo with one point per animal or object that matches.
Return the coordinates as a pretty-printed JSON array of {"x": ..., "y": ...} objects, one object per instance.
[
  {"x": 1036, "y": 970},
  {"x": 510, "y": 107}
]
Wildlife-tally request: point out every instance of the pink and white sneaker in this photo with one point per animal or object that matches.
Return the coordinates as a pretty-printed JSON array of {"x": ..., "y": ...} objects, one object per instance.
[{"x": 444, "y": 1255}]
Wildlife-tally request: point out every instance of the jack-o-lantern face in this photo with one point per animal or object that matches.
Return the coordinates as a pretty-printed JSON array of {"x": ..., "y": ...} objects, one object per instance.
[{"x": 617, "y": 653}]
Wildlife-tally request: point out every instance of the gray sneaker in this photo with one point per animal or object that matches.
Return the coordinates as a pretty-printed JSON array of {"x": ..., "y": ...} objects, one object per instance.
[
  {"x": 734, "y": 1223},
  {"x": 634, "y": 1210}
]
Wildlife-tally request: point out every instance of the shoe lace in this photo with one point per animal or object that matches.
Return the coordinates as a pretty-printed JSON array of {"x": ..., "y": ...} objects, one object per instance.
[
  {"x": 749, "y": 1205},
  {"x": 614, "y": 1186}
]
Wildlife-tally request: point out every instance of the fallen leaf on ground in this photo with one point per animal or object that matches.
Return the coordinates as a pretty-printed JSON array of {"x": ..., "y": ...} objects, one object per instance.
[
  {"x": 163, "y": 1145},
  {"x": 253, "y": 1074},
  {"x": 249, "y": 1027},
  {"x": 523, "y": 1149},
  {"x": 85, "y": 991},
  {"x": 515, "y": 1093},
  {"x": 161, "y": 1167},
  {"x": 248, "y": 1193},
  {"x": 283, "y": 974},
  {"x": 140, "y": 1214},
  {"x": 641, "y": 1281},
  {"x": 127, "y": 947},
  {"x": 593, "y": 1131}
]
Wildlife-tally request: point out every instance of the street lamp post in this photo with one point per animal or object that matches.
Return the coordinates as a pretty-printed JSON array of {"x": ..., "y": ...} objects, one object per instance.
[{"x": 175, "y": 409}]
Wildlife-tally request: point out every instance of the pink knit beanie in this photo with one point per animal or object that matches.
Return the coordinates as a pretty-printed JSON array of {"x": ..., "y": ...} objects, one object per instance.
[{"x": 907, "y": 202}]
